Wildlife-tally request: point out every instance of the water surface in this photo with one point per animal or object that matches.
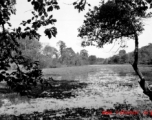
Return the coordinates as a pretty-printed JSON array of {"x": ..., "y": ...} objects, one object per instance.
[{"x": 107, "y": 86}]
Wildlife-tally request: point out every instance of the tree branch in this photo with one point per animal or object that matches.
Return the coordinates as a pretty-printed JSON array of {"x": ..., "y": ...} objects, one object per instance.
[{"x": 3, "y": 28}]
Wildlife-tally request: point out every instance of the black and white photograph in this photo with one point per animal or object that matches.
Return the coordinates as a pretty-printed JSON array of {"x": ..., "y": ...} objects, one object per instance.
[{"x": 75, "y": 59}]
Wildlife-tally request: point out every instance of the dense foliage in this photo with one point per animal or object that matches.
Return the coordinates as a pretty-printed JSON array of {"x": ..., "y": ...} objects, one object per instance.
[
  {"x": 145, "y": 56},
  {"x": 50, "y": 57},
  {"x": 113, "y": 20},
  {"x": 12, "y": 52}
]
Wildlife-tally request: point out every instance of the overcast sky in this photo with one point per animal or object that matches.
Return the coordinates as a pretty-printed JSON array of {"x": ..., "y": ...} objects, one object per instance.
[{"x": 69, "y": 20}]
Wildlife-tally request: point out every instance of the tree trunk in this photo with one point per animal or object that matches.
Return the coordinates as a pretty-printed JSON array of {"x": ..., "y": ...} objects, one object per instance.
[{"x": 143, "y": 84}]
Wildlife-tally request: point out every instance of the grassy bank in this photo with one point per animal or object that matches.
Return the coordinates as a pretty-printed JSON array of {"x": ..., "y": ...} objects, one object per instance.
[
  {"x": 70, "y": 73},
  {"x": 92, "y": 68},
  {"x": 72, "y": 70},
  {"x": 85, "y": 70}
]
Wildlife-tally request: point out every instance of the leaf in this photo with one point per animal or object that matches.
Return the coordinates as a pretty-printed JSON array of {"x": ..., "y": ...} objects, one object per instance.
[
  {"x": 48, "y": 3},
  {"x": 74, "y": 3},
  {"x": 46, "y": 15},
  {"x": 48, "y": 33},
  {"x": 55, "y": 2},
  {"x": 27, "y": 28},
  {"x": 29, "y": 21},
  {"x": 33, "y": 2},
  {"x": 53, "y": 20},
  {"x": 7, "y": 74},
  {"x": 89, "y": 4},
  {"x": 9, "y": 24},
  {"x": 50, "y": 8},
  {"x": 35, "y": 25},
  {"x": 24, "y": 24},
  {"x": 36, "y": 6},
  {"x": 33, "y": 12},
  {"x": 54, "y": 31},
  {"x": 3, "y": 72},
  {"x": 42, "y": 18},
  {"x": 23, "y": 35},
  {"x": 19, "y": 29},
  {"x": 50, "y": 16},
  {"x": 57, "y": 7}
]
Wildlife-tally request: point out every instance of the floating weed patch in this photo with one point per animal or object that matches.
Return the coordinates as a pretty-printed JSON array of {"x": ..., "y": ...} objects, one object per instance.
[{"x": 59, "y": 89}]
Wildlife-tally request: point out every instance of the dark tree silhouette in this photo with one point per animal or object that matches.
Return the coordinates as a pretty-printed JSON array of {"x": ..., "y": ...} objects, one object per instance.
[
  {"x": 92, "y": 59},
  {"x": 115, "y": 20},
  {"x": 22, "y": 80}
]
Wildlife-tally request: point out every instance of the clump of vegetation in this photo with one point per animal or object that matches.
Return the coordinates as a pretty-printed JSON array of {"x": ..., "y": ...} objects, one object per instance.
[
  {"x": 58, "y": 89},
  {"x": 145, "y": 56},
  {"x": 21, "y": 80}
]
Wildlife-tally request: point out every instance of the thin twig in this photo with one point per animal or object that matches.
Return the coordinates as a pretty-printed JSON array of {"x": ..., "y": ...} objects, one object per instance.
[
  {"x": 28, "y": 10},
  {"x": 69, "y": 3},
  {"x": 112, "y": 46}
]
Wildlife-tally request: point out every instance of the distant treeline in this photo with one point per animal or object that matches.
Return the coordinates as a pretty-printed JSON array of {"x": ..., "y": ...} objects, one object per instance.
[
  {"x": 50, "y": 57},
  {"x": 145, "y": 56}
]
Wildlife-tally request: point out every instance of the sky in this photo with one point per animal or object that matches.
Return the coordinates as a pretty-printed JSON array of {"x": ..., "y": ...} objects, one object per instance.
[{"x": 68, "y": 22}]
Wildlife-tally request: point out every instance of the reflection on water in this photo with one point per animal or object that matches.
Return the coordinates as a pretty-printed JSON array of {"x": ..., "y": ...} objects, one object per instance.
[{"x": 105, "y": 88}]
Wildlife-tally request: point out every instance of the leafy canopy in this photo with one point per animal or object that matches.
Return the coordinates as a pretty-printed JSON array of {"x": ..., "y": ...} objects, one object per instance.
[
  {"x": 22, "y": 80},
  {"x": 113, "y": 20}
]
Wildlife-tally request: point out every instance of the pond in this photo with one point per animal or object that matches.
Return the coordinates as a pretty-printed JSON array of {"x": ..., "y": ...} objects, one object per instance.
[{"x": 106, "y": 85}]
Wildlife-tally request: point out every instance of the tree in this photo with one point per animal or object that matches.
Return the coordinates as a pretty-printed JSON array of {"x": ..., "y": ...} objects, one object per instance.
[
  {"x": 123, "y": 58},
  {"x": 19, "y": 80},
  {"x": 30, "y": 49},
  {"x": 49, "y": 57},
  {"x": 84, "y": 56},
  {"x": 145, "y": 54},
  {"x": 100, "y": 60},
  {"x": 62, "y": 47},
  {"x": 131, "y": 58},
  {"x": 68, "y": 56},
  {"x": 77, "y": 59},
  {"x": 92, "y": 59},
  {"x": 50, "y": 51},
  {"x": 122, "y": 52},
  {"x": 114, "y": 59},
  {"x": 115, "y": 20}
]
